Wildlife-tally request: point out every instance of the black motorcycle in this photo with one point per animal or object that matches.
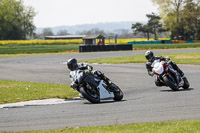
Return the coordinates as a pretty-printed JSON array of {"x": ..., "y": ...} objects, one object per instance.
[{"x": 93, "y": 88}]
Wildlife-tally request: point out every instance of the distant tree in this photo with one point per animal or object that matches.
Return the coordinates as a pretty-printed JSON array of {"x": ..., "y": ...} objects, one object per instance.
[
  {"x": 95, "y": 31},
  {"x": 181, "y": 17},
  {"x": 37, "y": 36},
  {"x": 110, "y": 34},
  {"x": 16, "y": 20},
  {"x": 153, "y": 26},
  {"x": 47, "y": 32},
  {"x": 190, "y": 20},
  {"x": 62, "y": 32},
  {"x": 141, "y": 28},
  {"x": 125, "y": 33}
]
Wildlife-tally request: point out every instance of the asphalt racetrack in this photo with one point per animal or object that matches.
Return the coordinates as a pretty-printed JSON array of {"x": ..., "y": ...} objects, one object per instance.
[{"x": 143, "y": 101}]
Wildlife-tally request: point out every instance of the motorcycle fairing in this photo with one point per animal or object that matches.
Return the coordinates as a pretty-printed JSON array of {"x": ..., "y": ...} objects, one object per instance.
[
  {"x": 158, "y": 67},
  {"x": 80, "y": 76},
  {"x": 104, "y": 94}
]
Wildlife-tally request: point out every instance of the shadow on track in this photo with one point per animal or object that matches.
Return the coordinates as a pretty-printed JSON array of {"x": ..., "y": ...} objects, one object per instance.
[
  {"x": 104, "y": 102},
  {"x": 189, "y": 89}
]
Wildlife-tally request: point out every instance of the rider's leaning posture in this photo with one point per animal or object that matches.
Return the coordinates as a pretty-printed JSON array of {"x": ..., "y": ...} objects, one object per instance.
[
  {"x": 174, "y": 68},
  {"x": 73, "y": 65}
]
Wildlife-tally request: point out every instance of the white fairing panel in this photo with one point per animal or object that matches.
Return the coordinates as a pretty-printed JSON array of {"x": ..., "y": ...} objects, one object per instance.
[
  {"x": 158, "y": 67},
  {"x": 104, "y": 94}
]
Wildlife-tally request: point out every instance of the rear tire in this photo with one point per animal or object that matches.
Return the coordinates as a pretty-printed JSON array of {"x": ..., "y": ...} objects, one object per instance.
[
  {"x": 171, "y": 83},
  {"x": 90, "y": 96}
]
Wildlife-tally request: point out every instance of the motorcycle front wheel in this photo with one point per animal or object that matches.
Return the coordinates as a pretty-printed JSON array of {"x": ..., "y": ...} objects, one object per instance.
[
  {"x": 91, "y": 95},
  {"x": 186, "y": 83},
  {"x": 171, "y": 83},
  {"x": 118, "y": 94}
]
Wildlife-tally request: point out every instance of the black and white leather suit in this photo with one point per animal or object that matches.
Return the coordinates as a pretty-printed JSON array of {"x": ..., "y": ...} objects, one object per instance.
[{"x": 173, "y": 69}]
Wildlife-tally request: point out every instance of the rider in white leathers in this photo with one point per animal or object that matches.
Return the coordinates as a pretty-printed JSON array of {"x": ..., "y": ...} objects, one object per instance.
[{"x": 73, "y": 66}]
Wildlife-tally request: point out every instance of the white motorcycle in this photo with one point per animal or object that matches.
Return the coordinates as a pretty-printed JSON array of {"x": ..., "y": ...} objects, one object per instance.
[
  {"x": 161, "y": 69},
  {"x": 93, "y": 88}
]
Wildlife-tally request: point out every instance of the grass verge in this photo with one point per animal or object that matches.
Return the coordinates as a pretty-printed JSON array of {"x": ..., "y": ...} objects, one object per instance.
[
  {"x": 36, "y": 54},
  {"x": 184, "y": 126},
  {"x": 57, "y": 48},
  {"x": 179, "y": 58},
  {"x": 17, "y": 91},
  {"x": 165, "y": 46},
  {"x": 39, "y": 48}
]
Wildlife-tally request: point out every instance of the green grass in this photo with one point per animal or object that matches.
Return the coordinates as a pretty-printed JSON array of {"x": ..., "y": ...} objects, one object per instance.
[
  {"x": 184, "y": 126},
  {"x": 30, "y": 49},
  {"x": 179, "y": 58},
  {"x": 36, "y": 54},
  {"x": 166, "y": 46},
  {"x": 16, "y": 91},
  {"x": 56, "y": 48}
]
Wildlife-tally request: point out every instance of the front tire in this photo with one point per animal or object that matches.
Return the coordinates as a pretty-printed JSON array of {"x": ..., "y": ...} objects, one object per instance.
[
  {"x": 186, "y": 83},
  {"x": 118, "y": 94},
  {"x": 171, "y": 83},
  {"x": 90, "y": 95}
]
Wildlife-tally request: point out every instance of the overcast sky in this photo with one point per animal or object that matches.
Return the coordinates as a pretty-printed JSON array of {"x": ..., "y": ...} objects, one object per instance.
[{"x": 72, "y": 12}]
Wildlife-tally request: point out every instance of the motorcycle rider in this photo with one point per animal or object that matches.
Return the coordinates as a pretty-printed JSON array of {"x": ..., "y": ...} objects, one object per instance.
[
  {"x": 174, "y": 69},
  {"x": 73, "y": 65}
]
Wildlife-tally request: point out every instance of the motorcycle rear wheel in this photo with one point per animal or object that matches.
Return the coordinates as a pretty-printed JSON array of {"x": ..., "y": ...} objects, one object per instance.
[
  {"x": 171, "y": 83},
  {"x": 90, "y": 96}
]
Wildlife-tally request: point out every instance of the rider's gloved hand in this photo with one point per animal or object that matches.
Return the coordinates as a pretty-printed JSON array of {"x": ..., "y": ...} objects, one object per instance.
[
  {"x": 89, "y": 69},
  {"x": 167, "y": 59},
  {"x": 151, "y": 73}
]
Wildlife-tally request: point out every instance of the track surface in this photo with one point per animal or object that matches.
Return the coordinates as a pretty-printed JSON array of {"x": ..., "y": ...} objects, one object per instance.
[{"x": 143, "y": 101}]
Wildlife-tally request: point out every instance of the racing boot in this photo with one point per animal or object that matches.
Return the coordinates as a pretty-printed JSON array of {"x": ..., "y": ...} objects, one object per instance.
[
  {"x": 181, "y": 73},
  {"x": 103, "y": 77}
]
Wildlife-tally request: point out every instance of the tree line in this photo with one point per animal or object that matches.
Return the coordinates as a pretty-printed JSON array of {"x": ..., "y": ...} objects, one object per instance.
[
  {"x": 179, "y": 18},
  {"x": 122, "y": 33}
]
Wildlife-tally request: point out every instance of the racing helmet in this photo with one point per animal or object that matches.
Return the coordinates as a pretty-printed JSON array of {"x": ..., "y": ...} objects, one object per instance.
[
  {"x": 72, "y": 64},
  {"x": 149, "y": 55}
]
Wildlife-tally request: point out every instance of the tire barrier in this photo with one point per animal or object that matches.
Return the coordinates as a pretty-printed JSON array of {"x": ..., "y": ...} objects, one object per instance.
[{"x": 101, "y": 48}]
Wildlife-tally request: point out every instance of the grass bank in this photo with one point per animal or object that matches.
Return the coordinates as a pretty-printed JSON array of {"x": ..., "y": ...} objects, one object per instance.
[
  {"x": 30, "y": 49},
  {"x": 17, "y": 91},
  {"x": 36, "y": 54},
  {"x": 57, "y": 48},
  {"x": 179, "y": 58},
  {"x": 165, "y": 46},
  {"x": 185, "y": 126}
]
